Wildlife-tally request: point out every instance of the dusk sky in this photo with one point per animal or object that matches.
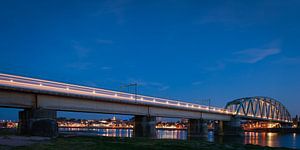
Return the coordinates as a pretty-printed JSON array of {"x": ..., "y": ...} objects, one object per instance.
[{"x": 178, "y": 49}]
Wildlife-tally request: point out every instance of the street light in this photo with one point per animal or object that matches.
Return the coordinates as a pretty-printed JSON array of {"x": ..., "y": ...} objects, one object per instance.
[
  {"x": 204, "y": 102},
  {"x": 135, "y": 89}
]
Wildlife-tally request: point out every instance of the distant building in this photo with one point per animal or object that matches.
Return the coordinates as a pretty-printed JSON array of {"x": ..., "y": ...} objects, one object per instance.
[
  {"x": 296, "y": 123},
  {"x": 8, "y": 124},
  {"x": 114, "y": 118}
]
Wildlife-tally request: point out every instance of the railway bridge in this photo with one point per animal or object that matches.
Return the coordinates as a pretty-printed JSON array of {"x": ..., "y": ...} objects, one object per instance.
[{"x": 40, "y": 100}]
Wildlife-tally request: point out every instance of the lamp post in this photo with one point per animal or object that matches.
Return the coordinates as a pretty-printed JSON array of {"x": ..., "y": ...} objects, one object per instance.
[
  {"x": 205, "y": 101},
  {"x": 135, "y": 89}
]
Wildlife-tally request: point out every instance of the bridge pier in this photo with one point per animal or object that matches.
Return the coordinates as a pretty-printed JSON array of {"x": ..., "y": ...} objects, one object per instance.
[
  {"x": 144, "y": 126},
  {"x": 232, "y": 127},
  {"x": 38, "y": 122},
  {"x": 197, "y": 128}
]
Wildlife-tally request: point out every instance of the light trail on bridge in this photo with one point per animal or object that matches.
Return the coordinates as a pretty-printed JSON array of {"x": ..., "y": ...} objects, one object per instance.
[{"x": 52, "y": 86}]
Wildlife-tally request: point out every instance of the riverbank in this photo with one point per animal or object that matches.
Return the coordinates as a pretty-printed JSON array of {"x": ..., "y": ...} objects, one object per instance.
[
  {"x": 158, "y": 128},
  {"x": 89, "y": 142}
]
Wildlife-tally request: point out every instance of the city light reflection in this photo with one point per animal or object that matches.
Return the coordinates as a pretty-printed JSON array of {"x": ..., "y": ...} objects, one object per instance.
[
  {"x": 262, "y": 138},
  {"x": 256, "y": 138}
]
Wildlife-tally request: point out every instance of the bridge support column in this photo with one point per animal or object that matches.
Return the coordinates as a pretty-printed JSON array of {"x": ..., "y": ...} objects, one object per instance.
[
  {"x": 232, "y": 127},
  {"x": 38, "y": 122},
  {"x": 144, "y": 126},
  {"x": 218, "y": 128},
  {"x": 197, "y": 128}
]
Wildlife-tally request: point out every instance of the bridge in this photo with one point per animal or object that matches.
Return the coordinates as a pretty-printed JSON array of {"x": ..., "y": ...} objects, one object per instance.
[
  {"x": 259, "y": 108},
  {"x": 40, "y": 100}
]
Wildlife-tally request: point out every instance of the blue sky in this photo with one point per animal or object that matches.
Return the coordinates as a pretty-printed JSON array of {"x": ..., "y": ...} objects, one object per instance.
[{"x": 186, "y": 50}]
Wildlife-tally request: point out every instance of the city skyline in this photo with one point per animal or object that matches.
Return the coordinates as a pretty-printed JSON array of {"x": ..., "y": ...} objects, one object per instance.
[{"x": 214, "y": 50}]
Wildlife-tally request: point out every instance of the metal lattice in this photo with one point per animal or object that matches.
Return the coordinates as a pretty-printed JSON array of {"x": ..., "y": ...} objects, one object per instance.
[{"x": 264, "y": 108}]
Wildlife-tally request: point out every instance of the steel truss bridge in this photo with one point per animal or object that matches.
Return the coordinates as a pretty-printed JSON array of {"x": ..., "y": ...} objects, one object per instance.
[{"x": 259, "y": 108}]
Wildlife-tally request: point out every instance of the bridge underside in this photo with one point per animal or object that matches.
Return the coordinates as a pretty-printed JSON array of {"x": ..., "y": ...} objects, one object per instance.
[{"x": 18, "y": 99}]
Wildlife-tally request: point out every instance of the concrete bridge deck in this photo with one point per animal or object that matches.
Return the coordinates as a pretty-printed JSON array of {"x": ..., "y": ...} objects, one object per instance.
[{"x": 22, "y": 92}]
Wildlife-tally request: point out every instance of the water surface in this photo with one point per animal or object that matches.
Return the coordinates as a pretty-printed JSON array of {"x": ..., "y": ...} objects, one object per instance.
[{"x": 291, "y": 140}]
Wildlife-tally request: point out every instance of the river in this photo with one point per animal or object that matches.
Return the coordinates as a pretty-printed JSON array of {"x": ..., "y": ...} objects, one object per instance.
[{"x": 291, "y": 140}]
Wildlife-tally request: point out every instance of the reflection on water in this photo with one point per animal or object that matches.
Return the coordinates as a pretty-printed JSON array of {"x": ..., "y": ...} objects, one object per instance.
[
  {"x": 264, "y": 139},
  {"x": 98, "y": 132},
  {"x": 291, "y": 140},
  {"x": 161, "y": 134},
  {"x": 171, "y": 134}
]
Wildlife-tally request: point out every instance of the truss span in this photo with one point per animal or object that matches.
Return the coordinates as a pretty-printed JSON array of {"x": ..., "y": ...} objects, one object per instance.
[{"x": 261, "y": 108}]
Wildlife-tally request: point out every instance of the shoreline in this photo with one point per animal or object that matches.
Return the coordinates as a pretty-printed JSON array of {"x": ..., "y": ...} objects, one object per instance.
[
  {"x": 118, "y": 128},
  {"x": 273, "y": 130}
]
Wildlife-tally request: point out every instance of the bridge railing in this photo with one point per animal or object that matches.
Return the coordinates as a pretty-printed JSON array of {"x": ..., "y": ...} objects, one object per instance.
[{"x": 38, "y": 84}]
